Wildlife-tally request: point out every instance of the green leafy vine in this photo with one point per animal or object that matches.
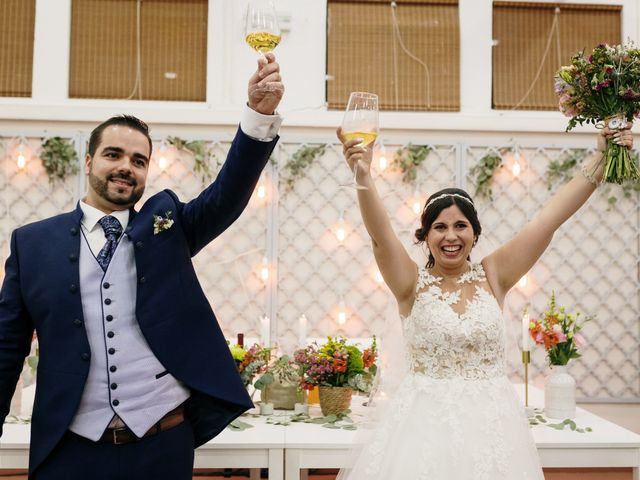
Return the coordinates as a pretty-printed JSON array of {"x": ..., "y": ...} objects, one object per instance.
[
  {"x": 407, "y": 159},
  {"x": 300, "y": 161},
  {"x": 484, "y": 171},
  {"x": 59, "y": 158},
  {"x": 562, "y": 169},
  {"x": 201, "y": 156}
]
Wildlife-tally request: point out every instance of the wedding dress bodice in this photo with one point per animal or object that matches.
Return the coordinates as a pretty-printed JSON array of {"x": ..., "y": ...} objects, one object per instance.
[{"x": 442, "y": 343}]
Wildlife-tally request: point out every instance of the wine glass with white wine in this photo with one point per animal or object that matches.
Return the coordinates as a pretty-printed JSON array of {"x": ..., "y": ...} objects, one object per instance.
[
  {"x": 262, "y": 32},
  {"x": 360, "y": 121}
]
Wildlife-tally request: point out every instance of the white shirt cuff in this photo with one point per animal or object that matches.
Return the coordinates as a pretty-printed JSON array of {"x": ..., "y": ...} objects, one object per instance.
[{"x": 258, "y": 126}]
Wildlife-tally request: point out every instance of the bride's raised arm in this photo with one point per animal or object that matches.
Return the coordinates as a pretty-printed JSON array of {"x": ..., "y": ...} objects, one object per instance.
[
  {"x": 396, "y": 266},
  {"x": 509, "y": 263}
]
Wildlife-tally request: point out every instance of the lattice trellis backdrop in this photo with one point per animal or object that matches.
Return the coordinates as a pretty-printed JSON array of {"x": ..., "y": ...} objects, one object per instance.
[{"x": 592, "y": 263}]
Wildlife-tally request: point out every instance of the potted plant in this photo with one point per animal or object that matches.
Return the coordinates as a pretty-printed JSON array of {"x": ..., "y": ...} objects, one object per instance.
[{"x": 280, "y": 383}]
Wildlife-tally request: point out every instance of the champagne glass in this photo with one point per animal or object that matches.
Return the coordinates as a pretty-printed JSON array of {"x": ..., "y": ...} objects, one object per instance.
[
  {"x": 262, "y": 32},
  {"x": 360, "y": 121}
]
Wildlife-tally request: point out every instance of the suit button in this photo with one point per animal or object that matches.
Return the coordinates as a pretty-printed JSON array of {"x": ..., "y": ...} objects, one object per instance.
[
  {"x": 115, "y": 403},
  {"x": 106, "y": 284},
  {"x": 77, "y": 322},
  {"x": 113, "y": 368},
  {"x": 110, "y": 334},
  {"x": 107, "y": 301},
  {"x": 142, "y": 280},
  {"x": 108, "y": 318},
  {"x": 73, "y": 288},
  {"x": 112, "y": 351},
  {"x": 139, "y": 244},
  {"x": 73, "y": 257},
  {"x": 73, "y": 230},
  {"x": 85, "y": 356},
  {"x": 114, "y": 386}
]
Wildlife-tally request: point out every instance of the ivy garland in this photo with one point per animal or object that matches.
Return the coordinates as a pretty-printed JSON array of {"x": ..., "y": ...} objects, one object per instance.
[
  {"x": 300, "y": 160},
  {"x": 201, "y": 155},
  {"x": 563, "y": 168},
  {"x": 59, "y": 158},
  {"x": 484, "y": 171},
  {"x": 407, "y": 159}
]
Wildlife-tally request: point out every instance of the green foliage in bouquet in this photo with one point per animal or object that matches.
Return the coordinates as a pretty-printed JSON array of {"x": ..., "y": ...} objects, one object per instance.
[
  {"x": 250, "y": 362},
  {"x": 603, "y": 87},
  {"x": 59, "y": 158}
]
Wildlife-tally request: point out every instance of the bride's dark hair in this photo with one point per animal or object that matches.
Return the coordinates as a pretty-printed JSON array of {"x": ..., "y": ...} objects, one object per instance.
[{"x": 431, "y": 212}]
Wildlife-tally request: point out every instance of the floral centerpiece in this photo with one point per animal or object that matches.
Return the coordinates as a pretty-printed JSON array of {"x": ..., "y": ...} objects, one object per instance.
[
  {"x": 558, "y": 331},
  {"x": 250, "y": 362},
  {"x": 604, "y": 86},
  {"x": 280, "y": 383}
]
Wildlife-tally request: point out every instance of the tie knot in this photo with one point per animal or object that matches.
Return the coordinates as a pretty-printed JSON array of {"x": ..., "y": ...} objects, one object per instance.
[{"x": 111, "y": 226}]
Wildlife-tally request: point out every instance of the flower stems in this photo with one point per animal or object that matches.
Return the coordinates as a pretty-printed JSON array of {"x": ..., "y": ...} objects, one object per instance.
[{"x": 618, "y": 164}]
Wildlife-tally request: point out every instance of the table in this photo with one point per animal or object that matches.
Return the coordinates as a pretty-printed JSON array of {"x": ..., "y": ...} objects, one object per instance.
[
  {"x": 259, "y": 447},
  {"x": 608, "y": 446}
]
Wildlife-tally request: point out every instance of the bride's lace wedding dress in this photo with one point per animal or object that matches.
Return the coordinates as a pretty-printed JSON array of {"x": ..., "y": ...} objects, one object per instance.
[{"x": 455, "y": 416}]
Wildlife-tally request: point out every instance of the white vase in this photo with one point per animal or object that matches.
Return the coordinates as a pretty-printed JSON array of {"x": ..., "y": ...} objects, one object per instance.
[{"x": 559, "y": 393}]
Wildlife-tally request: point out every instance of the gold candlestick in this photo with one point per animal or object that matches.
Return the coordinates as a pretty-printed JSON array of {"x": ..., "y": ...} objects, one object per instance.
[{"x": 526, "y": 359}]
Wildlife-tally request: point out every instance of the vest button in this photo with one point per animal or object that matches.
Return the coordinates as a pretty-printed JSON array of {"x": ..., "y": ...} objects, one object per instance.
[
  {"x": 108, "y": 318},
  {"x": 106, "y": 284},
  {"x": 73, "y": 257},
  {"x": 142, "y": 280},
  {"x": 114, "y": 386},
  {"x": 112, "y": 351},
  {"x": 73, "y": 230},
  {"x": 107, "y": 301},
  {"x": 73, "y": 288},
  {"x": 85, "y": 356},
  {"x": 77, "y": 322},
  {"x": 115, "y": 403},
  {"x": 113, "y": 368},
  {"x": 110, "y": 334}
]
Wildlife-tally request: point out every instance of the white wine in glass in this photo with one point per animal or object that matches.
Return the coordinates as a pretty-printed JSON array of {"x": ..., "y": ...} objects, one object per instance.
[
  {"x": 361, "y": 121},
  {"x": 262, "y": 32}
]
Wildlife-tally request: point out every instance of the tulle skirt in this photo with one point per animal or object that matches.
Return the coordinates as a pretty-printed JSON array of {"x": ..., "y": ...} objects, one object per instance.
[{"x": 448, "y": 429}]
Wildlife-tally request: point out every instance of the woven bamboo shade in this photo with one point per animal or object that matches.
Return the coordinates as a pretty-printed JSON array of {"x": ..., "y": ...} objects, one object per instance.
[
  {"x": 521, "y": 31},
  {"x": 364, "y": 54},
  {"x": 17, "y": 20},
  {"x": 173, "y": 49}
]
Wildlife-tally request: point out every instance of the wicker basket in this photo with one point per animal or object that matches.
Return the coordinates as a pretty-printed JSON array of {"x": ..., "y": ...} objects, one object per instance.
[{"x": 334, "y": 400}]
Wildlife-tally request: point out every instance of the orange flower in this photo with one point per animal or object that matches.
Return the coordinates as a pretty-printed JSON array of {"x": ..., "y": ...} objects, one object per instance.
[
  {"x": 339, "y": 365},
  {"x": 368, "y": 358}
]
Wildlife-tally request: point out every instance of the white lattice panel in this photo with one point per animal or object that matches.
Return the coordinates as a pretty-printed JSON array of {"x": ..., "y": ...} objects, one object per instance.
[{"x": 592, "y": 263}]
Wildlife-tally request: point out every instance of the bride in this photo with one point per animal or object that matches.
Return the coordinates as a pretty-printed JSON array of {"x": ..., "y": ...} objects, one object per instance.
[{"x": 455, "y": 415}]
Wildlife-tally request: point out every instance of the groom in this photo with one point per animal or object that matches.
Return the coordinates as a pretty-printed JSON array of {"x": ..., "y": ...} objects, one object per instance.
[{"x": 134, "y": 371}]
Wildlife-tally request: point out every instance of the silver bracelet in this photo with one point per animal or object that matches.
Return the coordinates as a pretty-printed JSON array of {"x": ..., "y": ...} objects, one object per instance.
[{"x": 589, "y": 176}]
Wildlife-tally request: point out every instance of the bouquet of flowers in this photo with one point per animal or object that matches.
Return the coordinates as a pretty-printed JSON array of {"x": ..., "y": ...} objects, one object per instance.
[
  {"x": 336, "y": 364},
  {"x": 558, "y": 332},
  {"x": 604, "y": 87},
  {"x": 250, "y": 362}
]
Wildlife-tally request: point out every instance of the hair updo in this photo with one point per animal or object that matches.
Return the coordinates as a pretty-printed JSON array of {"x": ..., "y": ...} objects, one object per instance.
[{"x": 450, "y": 196}]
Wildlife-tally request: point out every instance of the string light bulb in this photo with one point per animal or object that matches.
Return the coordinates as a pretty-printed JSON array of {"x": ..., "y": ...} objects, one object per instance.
[
  {"x": 416, "y": 206},
  {"x": 342, "y": 314},
  {"x": 162, "y": 156},
  {"x": 341, "y": 233},
  {"x": 383, "y": 163},
  {"x": 378, "y": 276},
  {"x": 264, "y": 271},
  {"x": 522, "y": 283},
  {"x": 516, "y": 168},
  {"x": 21, "y": 159},
  {"x": 262, "y": 190}
]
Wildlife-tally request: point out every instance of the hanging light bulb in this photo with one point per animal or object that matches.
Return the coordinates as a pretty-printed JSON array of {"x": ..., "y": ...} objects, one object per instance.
[
  {"x": 264, "y": 271},
  {"x": 522, "y": 283},
  {"x": 378, "y": 276},
  {"x": 416, "y": 205},
  {"x": 262, "y": 189},
  {"x": 21, "y": 159},
  {"x": 382, "y": 159},
  {"x": 342, "y": 314},
  {"x": 341, "y": 233},
  {"x": 516, "y": 169},
  {"x": 162, "y": 156}
]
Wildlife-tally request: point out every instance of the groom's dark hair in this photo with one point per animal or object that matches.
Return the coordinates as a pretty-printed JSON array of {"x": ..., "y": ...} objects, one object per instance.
[{"x": 124, "y": 120}]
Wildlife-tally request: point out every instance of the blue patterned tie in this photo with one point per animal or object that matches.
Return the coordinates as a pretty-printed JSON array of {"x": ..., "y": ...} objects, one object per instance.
[{"x": 112, "y": 231}]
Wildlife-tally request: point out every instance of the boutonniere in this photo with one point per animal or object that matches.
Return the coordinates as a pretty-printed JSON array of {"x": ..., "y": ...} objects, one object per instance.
[{"x": 160, "y": 223}]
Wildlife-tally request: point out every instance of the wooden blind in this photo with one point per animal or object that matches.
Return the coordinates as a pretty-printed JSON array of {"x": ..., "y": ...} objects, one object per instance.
[
  {"x": 521, "y": 32},
  {"x": 364, "y": 54},
  {"x": 173, "y": 49},
  {"x": 17, "y": 21}
]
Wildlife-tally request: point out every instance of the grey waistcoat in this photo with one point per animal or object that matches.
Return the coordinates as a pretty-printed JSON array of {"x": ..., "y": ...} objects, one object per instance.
[{"x": 125, "y": 377}]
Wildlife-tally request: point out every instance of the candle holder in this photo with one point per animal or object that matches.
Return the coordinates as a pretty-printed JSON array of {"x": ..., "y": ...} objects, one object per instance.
[{"x": 526, "y": 359}]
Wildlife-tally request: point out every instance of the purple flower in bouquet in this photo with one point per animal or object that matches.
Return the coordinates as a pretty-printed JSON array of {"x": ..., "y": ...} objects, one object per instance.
[{"x": 598, "y": 88}]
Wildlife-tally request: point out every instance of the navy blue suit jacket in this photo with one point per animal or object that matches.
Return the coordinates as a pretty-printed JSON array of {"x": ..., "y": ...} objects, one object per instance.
[{"x": 41, "y": 290}]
